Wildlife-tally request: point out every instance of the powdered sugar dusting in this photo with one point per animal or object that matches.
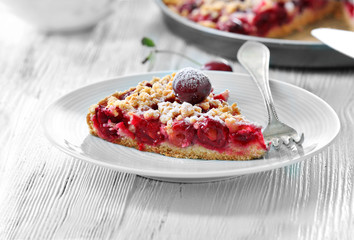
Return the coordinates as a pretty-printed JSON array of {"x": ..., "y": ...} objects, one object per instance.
[{"x": 195, "y": 78}]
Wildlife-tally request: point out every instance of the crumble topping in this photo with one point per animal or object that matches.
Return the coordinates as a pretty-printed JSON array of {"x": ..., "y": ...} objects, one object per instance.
[{"x": 151, "y": 114}]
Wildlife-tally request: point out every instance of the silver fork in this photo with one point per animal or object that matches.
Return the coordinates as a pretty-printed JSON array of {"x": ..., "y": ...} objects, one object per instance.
[{"x": 254, "y": 57}]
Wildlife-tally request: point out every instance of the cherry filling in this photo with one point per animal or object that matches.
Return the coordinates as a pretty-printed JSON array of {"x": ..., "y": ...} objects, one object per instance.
[
  {"x": 198, "y": 17},
  {"x": 222, "y": 96},
  {"x": 182, "y": 134},
  {"x": 147, "y": 131},
  {"x": 270, "y": 18},
  {"x": 303, "y": 4},
  {"x": 235, "y": 25},
  {"x": 104, "y": 120},
  {"x": 212, "y": 134},
  {"x": 264, "y": 20},
  {"x": 246, "y": 134},
  {"x": 122, "y": 127},
  {"x": 125, "y": 95},
  {"x": 104, "y": 114},
  {"x": 350, "y": 8},
  {"x": 187, "y": 8}
]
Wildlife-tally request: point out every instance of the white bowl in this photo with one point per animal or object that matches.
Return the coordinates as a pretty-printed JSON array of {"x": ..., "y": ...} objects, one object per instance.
[{"x": 60, "y": 15}]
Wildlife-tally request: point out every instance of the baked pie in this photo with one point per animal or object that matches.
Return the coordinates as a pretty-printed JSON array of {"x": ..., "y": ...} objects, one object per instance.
[
  {"x": 264, "y": 18},
  {"x": 178, "y": 115}
]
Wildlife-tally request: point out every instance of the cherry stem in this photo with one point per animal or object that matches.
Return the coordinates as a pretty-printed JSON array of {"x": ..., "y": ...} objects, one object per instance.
[{"x": 180, "y": 54}]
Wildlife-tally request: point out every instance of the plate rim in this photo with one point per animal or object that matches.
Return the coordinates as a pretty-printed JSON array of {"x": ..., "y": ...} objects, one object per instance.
[{"x": 181, "y": 174}]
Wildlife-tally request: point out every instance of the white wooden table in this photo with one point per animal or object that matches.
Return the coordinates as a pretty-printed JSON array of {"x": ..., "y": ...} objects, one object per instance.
[{"x": 46, "y": 194}]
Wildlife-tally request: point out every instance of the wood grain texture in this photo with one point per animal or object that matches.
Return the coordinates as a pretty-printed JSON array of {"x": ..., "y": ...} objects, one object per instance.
[{"x": 45, "y": 194}]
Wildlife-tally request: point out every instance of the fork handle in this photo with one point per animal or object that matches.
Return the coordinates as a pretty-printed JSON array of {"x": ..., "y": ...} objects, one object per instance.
[{"x": 254, "y": 57}]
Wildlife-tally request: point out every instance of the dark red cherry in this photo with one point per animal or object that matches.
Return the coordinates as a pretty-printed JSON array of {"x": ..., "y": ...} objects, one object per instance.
[
  {"x": 191, "y": 85},
  {"x": 182, "y": 134},
  {"x": 147, "y": 131},
  {"x": 101, "y": 122},
  {"x": 217, "y": 66},
  {"x": 187, "y": 7},
  {"x": 127, "y": 94},
  {"x": 232, "y": 25},
  {"x": 103, "y": 114},
  {"x": 350, "y": 8},
  {"x": 222, "y": 96},
  {"x": 246, "y": 134},
  {"x": 270, "y": 18},
  {"x": 212, "y": 134}
]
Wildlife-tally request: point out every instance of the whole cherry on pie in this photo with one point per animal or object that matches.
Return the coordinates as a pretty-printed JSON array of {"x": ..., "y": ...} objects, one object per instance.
[{"x": 191, "y": 85}]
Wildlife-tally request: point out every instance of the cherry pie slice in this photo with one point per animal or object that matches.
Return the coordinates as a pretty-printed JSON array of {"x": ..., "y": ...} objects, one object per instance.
[{"x": 178, "y": 116}]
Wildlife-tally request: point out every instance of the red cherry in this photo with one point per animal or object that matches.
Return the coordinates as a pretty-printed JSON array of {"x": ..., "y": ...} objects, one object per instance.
[
  {"x": 187, "y": 7},
  {"x": 212, "y": 134},
  {"x": 147, "y": 131},
  {"x": 127, "y": 94},
  {"x": 191, "y": 85},
  {"x": 104, "y": 114},
  {"x": 232, "y": 25},
  {"x": 222, "y": 96},
  {"x": 182, "y": 134},
  {"x": 217, "y": 66},
  {"x": 267, "y": 19},
  {"x": 101, "y": 115},
  {"x": 101, "y": 122},
  {"x": 246, "y": 134}
]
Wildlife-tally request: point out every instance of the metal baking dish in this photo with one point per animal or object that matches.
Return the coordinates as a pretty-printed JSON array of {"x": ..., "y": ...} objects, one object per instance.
[{"x": 284, "y": 53}]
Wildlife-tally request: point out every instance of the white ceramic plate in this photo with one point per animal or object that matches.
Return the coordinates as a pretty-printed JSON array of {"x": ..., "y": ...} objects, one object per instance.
[{"x": 65, "y": 126}]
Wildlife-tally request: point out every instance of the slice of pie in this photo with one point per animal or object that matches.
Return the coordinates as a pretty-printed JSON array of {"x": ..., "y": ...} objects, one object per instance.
[
  {"x": 264, "y": 18},
  {"x": 178, "y": 116}
]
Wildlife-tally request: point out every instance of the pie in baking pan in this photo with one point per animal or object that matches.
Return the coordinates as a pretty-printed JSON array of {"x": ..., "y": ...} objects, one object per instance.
[{"x": 264, "y": 18}]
